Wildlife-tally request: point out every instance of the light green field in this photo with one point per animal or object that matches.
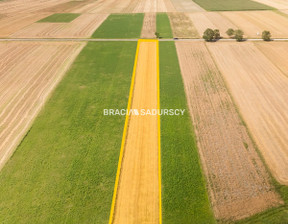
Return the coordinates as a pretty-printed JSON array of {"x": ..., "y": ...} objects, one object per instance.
[
  {"x": 231, "y": 5},
  {"x": 184, "y": 194},
  {"x": 120, "y": 26},
  {"x": 65, "y": 168},
  {"x": 163, "y": 25},
  {"x": 60, "y": 18}
]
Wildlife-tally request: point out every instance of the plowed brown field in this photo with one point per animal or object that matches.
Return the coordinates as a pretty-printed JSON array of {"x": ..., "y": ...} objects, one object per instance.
[
  {"x": 138, "y": 196},
  {"x": 182, "y": 26},
  {"x": 278, "y": 4},
  {"x": 29, "y": 72},
  {"x": 212, "y": 20},
  {"x": 83, "y": 26},
  {"x": 261, "y": 92},
  {"x": 277, "y": 53},
  {"x": 238, "y": 183},
  {"x": 186, "y": 6},
  {"x": 149, "y": 25},
  {"x": 254, "y": 22}
]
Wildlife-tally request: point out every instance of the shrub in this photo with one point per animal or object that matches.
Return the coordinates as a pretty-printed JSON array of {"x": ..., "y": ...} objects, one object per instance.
[
  {"x": 217, "y": 34},
  {"x": 239, "y": 35},
  {"x": 230, "y": 32},
  {"x": 208, "y": 35},
  {"x": 266, "y": 35}
]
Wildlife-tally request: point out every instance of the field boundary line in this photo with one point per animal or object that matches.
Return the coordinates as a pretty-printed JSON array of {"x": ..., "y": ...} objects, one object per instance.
[
  {"x": 159, "y": 133},
  {"x": 124, "y": 136}
]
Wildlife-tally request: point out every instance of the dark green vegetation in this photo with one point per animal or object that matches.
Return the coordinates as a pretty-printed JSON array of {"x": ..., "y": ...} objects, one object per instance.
[
  {"x": 184, "y": 195},
  {"x": 60, "y": 18},
  {"x": 121, "y": 26},
  {"x": 231, "y": 5},
  {"x": 163, "y": 26},
  {"x": 65, "y": 168}
]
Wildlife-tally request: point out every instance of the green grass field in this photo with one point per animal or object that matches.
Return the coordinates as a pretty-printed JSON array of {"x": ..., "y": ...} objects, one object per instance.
[
  {"x": 163, "y": 26},
  {"x": 60, "y": 18},
  {"x": 184, "y": 195},
  {"x": 65, "y": 168},
  {"x": 231, "y": 5},
  {"x": 120, "y": 26}
]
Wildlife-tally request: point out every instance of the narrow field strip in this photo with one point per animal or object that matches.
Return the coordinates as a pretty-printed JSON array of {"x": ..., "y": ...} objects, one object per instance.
[
  {"x": 59, "y": 18},
  {"x": 239, "y": 186},
  {"x": 64, "y": 170},
  {"x": 163, "y": 26},
  {"x": 137, "y": 197},
  {"x": 120, "y": 26},
  {"x": 149, "y": 25},
  {"x": 184, "y": 195}
]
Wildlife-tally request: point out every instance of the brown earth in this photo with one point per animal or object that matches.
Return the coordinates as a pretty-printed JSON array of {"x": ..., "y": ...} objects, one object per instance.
[
  {"x": 149, "y": 25},
  {"x": 260, "y": 90},
  {"x": 29, "y": 72},
  {"x": 277, "y": 53},
  {"x": 212, "y": 20},
  {"x": 138, "y": 192},
  {"x": 278, "y": 4},
  {"x": 239, "y": 186},
  {"x": 182, "y": 26},
  {"x": 186, "y": 6},
  {"x": 254, "y": 22},
  {"x": 81, "y": 27}
]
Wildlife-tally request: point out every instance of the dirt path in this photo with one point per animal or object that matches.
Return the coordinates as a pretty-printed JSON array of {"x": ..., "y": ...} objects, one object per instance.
[
  {"x": 149, "y": 25},
  {"x": 238, "y": 183},
  {"x": 261, "y": 92},
  {"x": 182, "y": 26},
  {"x": 138, "y": 192},
  {"x": 29, "y": 72}
]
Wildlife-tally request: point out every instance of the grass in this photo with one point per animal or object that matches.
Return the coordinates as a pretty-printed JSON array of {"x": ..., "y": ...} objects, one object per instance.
[
  {"x": 64, "y": 170},
  {"x": 163, "y": 25},
  {"x": 184, "y": 196},
  {"x": 120, "y": 26},
  {"x": 60, "y": 18},
  {"x": 231, "y": 5}
]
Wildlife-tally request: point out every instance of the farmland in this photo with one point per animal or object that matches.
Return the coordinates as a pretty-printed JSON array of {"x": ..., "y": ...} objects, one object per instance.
[
  {"x": 65, "y": 160},
  {"x": 64, "y": 64}
]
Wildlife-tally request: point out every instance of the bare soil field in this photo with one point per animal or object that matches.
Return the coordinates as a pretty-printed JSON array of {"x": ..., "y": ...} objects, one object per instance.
[
  {"x": 138, "y": 192},
  {"x": 11, "y": 23},
  {"x": 239, "y": 186},
  {"x": 277, "y": 53},
  {"x": 27, "y": 6},
  {"x": 186, "y": 6},
  {"x": 67, "y": 6},
  {"x": 83, "y": 26},
  {"x": 278, "y": 4},
  {"x": 182, "y": 26},
  {"x": 29, "y": 72},
  {"x": 149, "y": 25},
  {"x": 212, "y": 20},
  {"x": 260, "y": 91},
  {"x": 254, "y": 22}
]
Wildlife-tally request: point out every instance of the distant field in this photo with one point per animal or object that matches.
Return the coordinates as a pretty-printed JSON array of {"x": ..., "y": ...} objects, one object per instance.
[
  {"x": 231, "y": 5},
  {"x": 163, "y": 25},
  {"x": 60, "y": 18},
  {"x": 184, "y": 197},
  {"x": 65, "y": 168},
  {"x": 121, "y": 26}
]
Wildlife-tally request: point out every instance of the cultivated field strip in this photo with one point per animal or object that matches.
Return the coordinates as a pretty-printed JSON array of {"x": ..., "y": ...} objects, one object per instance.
[
  {"x": 212, "y": 20},
  {"x": 186, "y": 6},
  {"x": 28, "y": 74},
  {"x": 11, "y": 23},
  {"x": 278, "y": 4},
  {"x": 182, "y": 26},
  {"x": 261, "y": 92},
  {"x": 81, "y": 27},
  {"x": 254, "y": 22},
  {"x": 138, "y": 191},
  {"x": 149, "y": 25},
  {"x": 277, "y": 53},
  {"x": 239, "y": 186}
]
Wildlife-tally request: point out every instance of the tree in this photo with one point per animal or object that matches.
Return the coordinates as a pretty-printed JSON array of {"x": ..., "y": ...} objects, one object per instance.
[
  {"x": 266, "y": 35},
  {"x": 208, "y": 35},
  {"x": 217, "y": 34},
  {"x": 230, "y": 32},
  {"x": 239, "y": 35},
  {"x": 157, "y": 35}
]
